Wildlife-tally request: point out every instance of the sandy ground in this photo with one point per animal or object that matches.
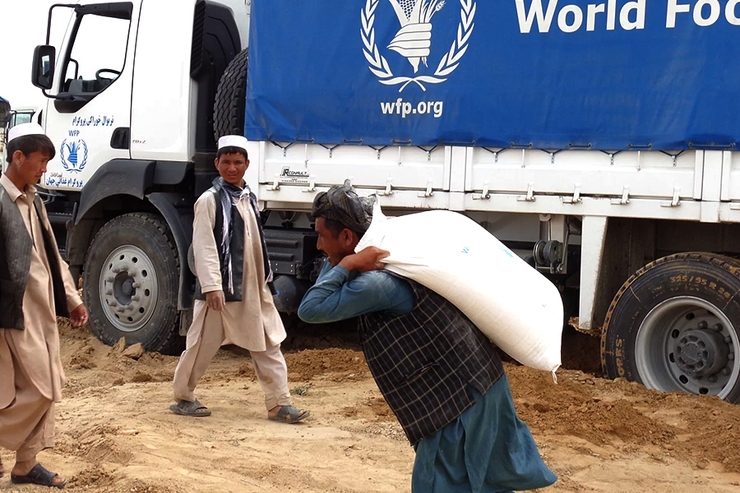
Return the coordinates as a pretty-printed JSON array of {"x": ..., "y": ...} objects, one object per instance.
[{"x": 115, "y": 433}]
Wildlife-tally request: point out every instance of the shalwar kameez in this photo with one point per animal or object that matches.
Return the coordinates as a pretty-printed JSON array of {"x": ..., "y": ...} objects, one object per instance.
[
  {"x": 31, "y": 373},
  {"x": 248, "y": 320},
  {"x": 253, "y": 323}
]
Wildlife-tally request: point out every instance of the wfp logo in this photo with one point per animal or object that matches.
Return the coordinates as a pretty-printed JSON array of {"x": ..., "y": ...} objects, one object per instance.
[
  {"x": 413, "y": 41},
  {"x": 74, "y": 155}
]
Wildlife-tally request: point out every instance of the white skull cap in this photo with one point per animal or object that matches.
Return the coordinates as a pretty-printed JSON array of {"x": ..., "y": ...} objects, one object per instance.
[
  {"x": 233, "y": 141},
  {"x": 25, "y": 129}
]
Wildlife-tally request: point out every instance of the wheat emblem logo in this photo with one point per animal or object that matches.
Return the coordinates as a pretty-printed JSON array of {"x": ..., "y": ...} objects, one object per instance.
[
  {"x": 74, "y": 155},
  {"x": 413, "y": 40}
]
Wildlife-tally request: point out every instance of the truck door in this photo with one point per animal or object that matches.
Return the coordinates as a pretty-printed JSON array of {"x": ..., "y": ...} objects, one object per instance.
[{"x": 89, "y": 116}]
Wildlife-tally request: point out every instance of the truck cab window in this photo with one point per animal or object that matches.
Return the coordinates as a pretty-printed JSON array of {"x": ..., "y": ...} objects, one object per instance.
[
  {"x": 18, "y": 118},
  {"x": 98, "y": 54}
]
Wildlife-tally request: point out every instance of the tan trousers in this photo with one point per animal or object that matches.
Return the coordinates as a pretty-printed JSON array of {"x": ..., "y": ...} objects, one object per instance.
[
  {"x": 204, "y": 341},
  {"x": 27, "y": 425}
]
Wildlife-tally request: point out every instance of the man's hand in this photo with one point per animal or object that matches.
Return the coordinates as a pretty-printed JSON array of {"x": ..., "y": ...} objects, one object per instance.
[
  {"x": 216, "y": 300},
  {"x": 365, "y": 260},
  {"x": 78, "y": 316}
]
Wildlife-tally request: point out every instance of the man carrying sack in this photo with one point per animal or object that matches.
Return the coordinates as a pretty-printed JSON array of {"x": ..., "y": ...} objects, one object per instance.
[{"x": 441, "y": 377}]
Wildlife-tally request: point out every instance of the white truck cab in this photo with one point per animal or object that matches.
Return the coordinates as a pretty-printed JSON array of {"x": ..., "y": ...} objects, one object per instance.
[{"x": 120, "y": 77}]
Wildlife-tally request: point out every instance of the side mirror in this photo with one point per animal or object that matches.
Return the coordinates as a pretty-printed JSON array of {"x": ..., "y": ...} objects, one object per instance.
[{"x": 42, "y": 74}]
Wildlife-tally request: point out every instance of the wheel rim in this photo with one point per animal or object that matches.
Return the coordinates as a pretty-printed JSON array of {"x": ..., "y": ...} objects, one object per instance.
[
  {"x": 688, "y": 344},
  {"x": 128, "y": 293}
]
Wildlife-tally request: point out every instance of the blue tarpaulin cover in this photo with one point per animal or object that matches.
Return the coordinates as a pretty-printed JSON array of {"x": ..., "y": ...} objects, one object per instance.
[{"x": 605, "y": 74}]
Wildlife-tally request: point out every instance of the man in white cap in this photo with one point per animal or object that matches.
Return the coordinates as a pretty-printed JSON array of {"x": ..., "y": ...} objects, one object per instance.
[
  {"x": 233, "y": 299},
  {"x": 35, "y": 287}
]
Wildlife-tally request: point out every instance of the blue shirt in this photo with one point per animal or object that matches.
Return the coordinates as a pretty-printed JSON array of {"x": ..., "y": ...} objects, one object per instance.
[{"x": 340, "y": 294}]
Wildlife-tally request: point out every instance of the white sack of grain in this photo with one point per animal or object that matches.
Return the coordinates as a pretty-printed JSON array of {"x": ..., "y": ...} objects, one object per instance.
[{"x": 517, "y": 308}]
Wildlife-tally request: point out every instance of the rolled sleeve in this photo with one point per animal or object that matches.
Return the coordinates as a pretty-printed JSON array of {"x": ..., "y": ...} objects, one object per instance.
[{"x": 339, "y": 294}]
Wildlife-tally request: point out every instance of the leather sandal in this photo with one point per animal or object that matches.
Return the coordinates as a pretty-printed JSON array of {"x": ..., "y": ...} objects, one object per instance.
[{"x": 38, "y": 475}]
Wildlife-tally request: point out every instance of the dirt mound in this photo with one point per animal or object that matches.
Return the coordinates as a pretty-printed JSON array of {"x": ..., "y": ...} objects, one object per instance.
[
  {"x": 336, "y": 364},
  {"x": 94, "y": 442},
  {"x": 332, "y": 354},
  {"x": 627, "y": 416},
  {"x": 371, "y": 409},
  {"x": 108, "y": 366}
]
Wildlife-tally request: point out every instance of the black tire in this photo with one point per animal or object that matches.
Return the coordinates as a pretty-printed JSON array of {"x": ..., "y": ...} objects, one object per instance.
[
  {"x": 130, "y": 283},
  {"x": 675, "y": 326},
  {"x": 229, "y": 106}
]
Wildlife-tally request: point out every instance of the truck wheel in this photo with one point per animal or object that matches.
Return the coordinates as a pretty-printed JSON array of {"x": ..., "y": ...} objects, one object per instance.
[
  {"x": 675, "y": 326},
  {"x": 229, "y": 107},
  {"x": 130, "y": 283}
]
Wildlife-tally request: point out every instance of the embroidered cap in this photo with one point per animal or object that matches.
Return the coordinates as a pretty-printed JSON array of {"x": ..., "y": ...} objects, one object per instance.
[
  {"x": 25, "y": 129},
  {"x": 233, "y": 141}
]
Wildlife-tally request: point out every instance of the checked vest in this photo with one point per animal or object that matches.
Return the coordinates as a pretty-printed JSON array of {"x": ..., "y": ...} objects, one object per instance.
[{"x": 424, "y": 361}]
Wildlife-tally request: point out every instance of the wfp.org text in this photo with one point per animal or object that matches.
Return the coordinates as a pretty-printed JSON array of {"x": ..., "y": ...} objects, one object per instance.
[{"x": 405, "y": 108}]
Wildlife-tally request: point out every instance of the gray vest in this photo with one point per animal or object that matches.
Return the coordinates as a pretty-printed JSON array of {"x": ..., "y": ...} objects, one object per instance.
[{"x": 15, "y": 262}]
